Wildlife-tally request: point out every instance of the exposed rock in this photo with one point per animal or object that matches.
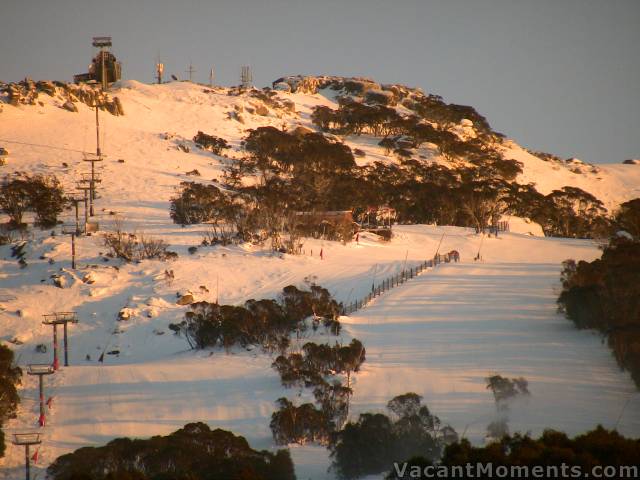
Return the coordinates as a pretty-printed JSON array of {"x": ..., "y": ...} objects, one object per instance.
[
  {"x": 89, "y": 278},
  {"x": 68, "y": 105},
  {"x": 301, "y": 131},
  {"x": 186, "y": 299},
  {"x": 59, "y": 281},
  {"x": 125, "y": 314},
  {"x": 262, "y": 110},
  {"x": 282, "y": 87}
]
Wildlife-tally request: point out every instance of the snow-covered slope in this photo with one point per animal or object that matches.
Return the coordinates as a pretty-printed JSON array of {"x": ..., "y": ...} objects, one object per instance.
[
  {"x": 160, "y": 117},
  {"x": 439, "y": 335}
]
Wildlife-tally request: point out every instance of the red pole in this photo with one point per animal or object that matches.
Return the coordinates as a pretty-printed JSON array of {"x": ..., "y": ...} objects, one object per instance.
[{"x": 42, "y": 420}]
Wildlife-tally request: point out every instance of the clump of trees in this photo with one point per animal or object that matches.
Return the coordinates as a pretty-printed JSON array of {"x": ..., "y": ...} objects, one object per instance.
[
  {"x": 553, "y": 453},
  {"x": 195, "y": 452},
  {"x": 198, "y": 203},
  {"x": 210, "y": 142},
  {"x": 372, "y": 443},
  {"x": 266, "y": 323},
  {"x": 627, "y": 217},
  {"x": 300, "y": 424},
  {"x": 316, "y": 367},
  {"x": 504, "y": 390},
  {"x": 286, "y": 180},
  {"x": 605, "y": 295},
  {"x": 318, "y": 361},
  {"x": 10, "y": 376},
  {"x": 41, "y": 194},
  {"x": 475, "y": 192}
]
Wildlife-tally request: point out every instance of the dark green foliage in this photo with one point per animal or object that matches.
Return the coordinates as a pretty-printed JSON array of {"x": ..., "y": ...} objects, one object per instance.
[
  {"x": 10, "y": 376},
  {"x": 301, "y": 174},
  {"x": 210, "y": 142},
  {"x": 371, "y": 445},
  {"x": 317, "y": 301},
  {"x": 14, "y": 199},
  {"x": 627, "y": 217},
  {"x": 192, "y": 453},
  {"x": 572, "y": 212},
  {"x": 303, "y": 424},
  {"x": 318, "y": 361},
  {"x": 41, "y": 194},
  {"x": 267, "y": 323},
  {"x": 551, "y": 451},
  {"x": 198, "y": 203},
  {"x": 505, "y": 389},
  {"x": 295, "y": 173},
  {"x": 46, "y": 199},
  {"x": 605, "y": 295}
]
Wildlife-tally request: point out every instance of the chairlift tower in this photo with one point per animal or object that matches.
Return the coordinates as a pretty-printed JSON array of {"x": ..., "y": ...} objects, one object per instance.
[
  {"x": 85, "y": 189},
  {"x": 246, "y": 77},
  {"x": 76, "y": 201},
  {"x": 93, "y": 180},
  {"x": 27, "y": 439},
  {"x": 55, "y": 319},
  {"x": 40, "y": 370}
]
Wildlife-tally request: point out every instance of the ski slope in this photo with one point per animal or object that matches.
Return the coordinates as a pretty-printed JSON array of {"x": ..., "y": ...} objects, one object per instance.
[{"x": 439, "y": 335}]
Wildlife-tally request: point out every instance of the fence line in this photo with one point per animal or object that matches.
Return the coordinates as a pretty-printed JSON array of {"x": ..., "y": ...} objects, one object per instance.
[{"x": 396, "y": 280}]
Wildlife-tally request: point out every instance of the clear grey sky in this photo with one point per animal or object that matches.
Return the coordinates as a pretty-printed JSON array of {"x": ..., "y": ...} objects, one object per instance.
[{"x": 556, "y": 75}]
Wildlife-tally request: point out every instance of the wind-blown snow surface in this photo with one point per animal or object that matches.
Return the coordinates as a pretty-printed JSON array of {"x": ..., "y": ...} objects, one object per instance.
[{"x": 439, "y": 335}]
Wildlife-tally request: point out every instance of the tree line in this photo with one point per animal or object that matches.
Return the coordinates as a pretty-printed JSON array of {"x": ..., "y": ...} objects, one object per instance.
[
  {"x": 605, "y": 295},
  {"x": 267, "y": 323},
  {"x": 284, "y": 178},
  {"x": 195, "y": 452},
  {"x": 318, "y": 366},
  {"x": 551, "y": 454}
]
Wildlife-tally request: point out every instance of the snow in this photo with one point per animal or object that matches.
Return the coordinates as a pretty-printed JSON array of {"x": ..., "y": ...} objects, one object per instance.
[{"x": 439, "y": 334}]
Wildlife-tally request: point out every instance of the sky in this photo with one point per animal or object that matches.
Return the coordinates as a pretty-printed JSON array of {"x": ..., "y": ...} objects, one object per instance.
[{"x": 561, "y": 76}]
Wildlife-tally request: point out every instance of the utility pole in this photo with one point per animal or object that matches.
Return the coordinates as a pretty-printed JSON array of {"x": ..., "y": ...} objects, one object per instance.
[
  {"x": 93, "y": 161},
  {"x": 27, "y": 439},
  {"x": 191, "y": 71},
  {"x": 55, "y": 319},
  {"x": 40, "y": 370}
]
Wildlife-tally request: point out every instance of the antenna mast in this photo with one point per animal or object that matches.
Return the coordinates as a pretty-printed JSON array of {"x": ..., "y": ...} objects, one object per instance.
[
  {"x": 246, "y": 77},
  {"x": 190, "y": 71},
  {"x": 159, "y": 70}
]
